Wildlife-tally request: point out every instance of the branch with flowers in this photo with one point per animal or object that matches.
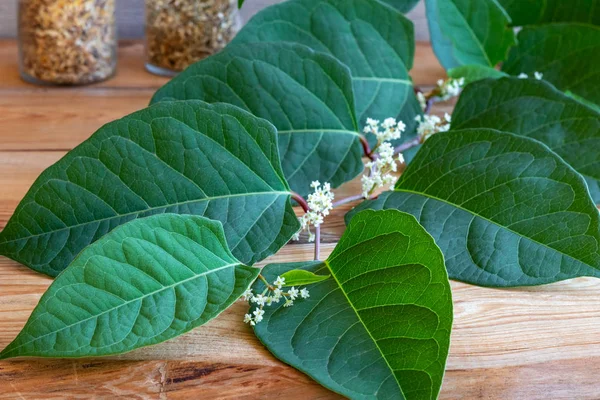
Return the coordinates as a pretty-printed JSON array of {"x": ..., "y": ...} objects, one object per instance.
[{"x": 153, "y": 226}]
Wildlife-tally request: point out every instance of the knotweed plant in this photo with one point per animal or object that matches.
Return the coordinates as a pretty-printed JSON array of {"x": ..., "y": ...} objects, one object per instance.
[{"x": 163, "y": 219}]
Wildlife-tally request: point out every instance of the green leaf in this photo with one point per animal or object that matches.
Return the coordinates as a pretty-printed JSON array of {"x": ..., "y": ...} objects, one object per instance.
[
  {"x": 580, "y": 99},
  {"x": 145, "y": 282},
  {"x": 381, "y": 327},
  {"x": 403, "y": 6},
  {"x": 526, "y": 12},
  {"x": 240, "y": 3},
  {"x": 374, "y": 41},
  {"x": 567, "y": 54},
  {"x": 465, "y": 32},
  {"x": 177, "y": 157},
  {"x": 504, "y": 209},
  {"x": 473, "y": 73},
  {"x": 300, "y": 277},
  {"x": 306, "y": 95},
  {"x": 536, "y": 109}
]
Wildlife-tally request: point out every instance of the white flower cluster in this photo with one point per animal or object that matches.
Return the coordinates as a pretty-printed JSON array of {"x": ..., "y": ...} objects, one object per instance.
[
  {"x": 446, "y": 89},
  {"x": 390, "y": 129},
  {"x": 320, "y": 203},
  {"x": 432, "y": 124},
  {"x": 271, "y": 295},
  {"x": 538, "y": 75},
  {"x": 381, "y": 168},
  {"x": 422, "y": 100}
]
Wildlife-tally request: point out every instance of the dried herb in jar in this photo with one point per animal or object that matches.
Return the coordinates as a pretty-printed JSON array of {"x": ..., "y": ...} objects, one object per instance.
[
  {"x": 68, "y": 42},
  {"x": 181, "y": 32}
]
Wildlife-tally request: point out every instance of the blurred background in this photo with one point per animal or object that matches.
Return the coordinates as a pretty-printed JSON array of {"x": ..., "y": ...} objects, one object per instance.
[{"x": 130, "y": 17}]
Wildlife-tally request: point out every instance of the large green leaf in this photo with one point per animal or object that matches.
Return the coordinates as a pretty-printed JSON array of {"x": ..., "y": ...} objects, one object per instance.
[
  {"x": 175, "y": 157},
  {"x": 526, "y": 12},
  {"x": 504, "y": 209},
  {"x": 536, "y": 109},
  {"x": 145, "y": 282},
  {"x": 374, "y": 41},
  {"x": 403, "y": 6},
  {"x": 567, "y": 54},
  {"x": 306, "y": 95},
  {"x": 465, "y": 32},
  {"x": 380, "y": 327}
]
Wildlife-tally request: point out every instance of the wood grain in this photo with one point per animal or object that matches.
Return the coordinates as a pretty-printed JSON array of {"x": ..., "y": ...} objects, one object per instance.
[{"x": 534, "y": 343}]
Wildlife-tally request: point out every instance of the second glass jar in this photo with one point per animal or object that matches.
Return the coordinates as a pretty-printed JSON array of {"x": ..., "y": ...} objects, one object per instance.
[{"x": 181, "y": 32}]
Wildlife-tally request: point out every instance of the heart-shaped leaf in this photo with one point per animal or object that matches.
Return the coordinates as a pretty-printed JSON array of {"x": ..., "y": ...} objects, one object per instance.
[
  {"x": 526, "y": 12},
  {"x": 174, "y": 157},
  {"x": 473, "y": 73},
  {"x": 567, "y": 54},
  {"x": 374, "y": 41},
  {"x": 535, "y": 109},
  {"x": 465, "y": 32},
  {"x": 504, "y": 209},
  {"x": 145, "y": 282},
  {"x": 306, "y": 95},
  {"x": 380, "y": 326}
]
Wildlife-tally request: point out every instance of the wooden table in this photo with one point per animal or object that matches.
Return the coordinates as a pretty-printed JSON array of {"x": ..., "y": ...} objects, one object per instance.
[{"x": 536, "y": 343}]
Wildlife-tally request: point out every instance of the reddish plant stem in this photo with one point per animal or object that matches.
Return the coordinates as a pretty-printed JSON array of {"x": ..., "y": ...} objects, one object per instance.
[
  {"x": 300, "y": 200},
  {"x": 366, "y": 148}
]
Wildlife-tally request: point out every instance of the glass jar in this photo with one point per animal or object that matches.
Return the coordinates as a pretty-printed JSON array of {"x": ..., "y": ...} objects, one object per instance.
[
  {"x": 67, "y": 42},
  {"x": 181, "y": 32}
]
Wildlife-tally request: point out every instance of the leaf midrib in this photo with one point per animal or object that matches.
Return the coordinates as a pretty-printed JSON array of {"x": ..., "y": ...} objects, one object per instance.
[
  {"x": 204, "y": 199},
  {"x": 494, "y": 223},
  {"x": 3, "y": 355},
  {"x": 326, "y": 262}
]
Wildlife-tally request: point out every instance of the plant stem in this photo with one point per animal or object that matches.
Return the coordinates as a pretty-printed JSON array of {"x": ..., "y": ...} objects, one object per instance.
[
  {"x": 317, "y": 242},
  {"x": 348, "y": 200},
  {"x": 428, "y": 105},
  {"x": 408, "y": 145},
  {"x": 300, "y": 200},
  {"x": 267, "y": 284},
  {"x": 366, "y": 148}
]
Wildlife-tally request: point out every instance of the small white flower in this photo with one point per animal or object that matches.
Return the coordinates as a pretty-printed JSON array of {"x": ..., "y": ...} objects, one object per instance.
[
  {"x": 293, "y": 293},
  {"x": 538, "y": 75},
  {"x": 277, "y": 294},
  {"x": 523, "y": 75},
  {"x": 401, "y": 159},
  {"x": 259, "y": 300},
  {"x": 449, "y": 88},
  {"x": 422, "y": 100},
  {"x": 258, "y": 315},
  {"x": 247, "y": 295},
  {"x": 432, "y": 124},
  {"x": 279, "y": 282},
  {"x": 401, "y": 126},
  {"x": 247, "y": 318},
  {"x": 288, "y": 303},
  {"x": 304, "y": 293},
  {"x": 320, "y": 203}
]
